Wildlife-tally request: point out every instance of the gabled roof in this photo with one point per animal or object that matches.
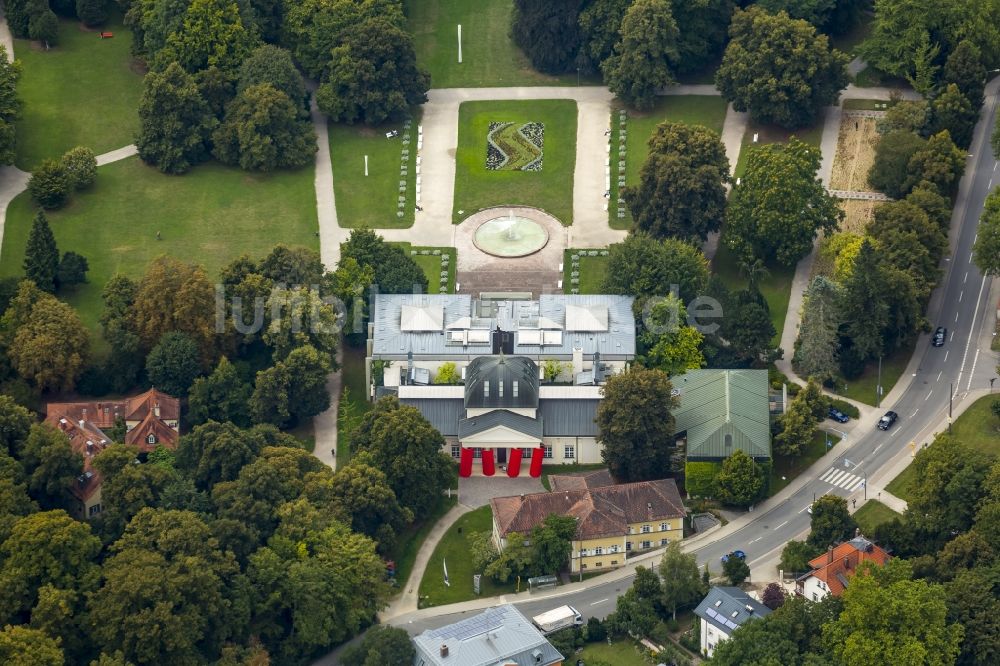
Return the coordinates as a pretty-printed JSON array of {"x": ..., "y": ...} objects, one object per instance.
[
  {"x": 500, "y": 635},
  {"x": 501, "y": 382},
  {"x": 835, "y": 567},
  {"x": 582, "y": 481},
  {"x": 601, "y": 512},
  {"x": 727, "y": 608},
  {"x": 722, "y": 411},
  {"x": 500, "y": 418}
]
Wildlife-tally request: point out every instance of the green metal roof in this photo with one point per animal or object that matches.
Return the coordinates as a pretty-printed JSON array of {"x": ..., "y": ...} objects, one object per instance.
[{"x": 720, "y": 407}]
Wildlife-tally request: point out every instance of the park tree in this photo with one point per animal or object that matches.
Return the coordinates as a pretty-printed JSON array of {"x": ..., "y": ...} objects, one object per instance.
[
  {"x": 217, "y": 88},
  {"x": 72, "y": 270},
  {"x": 50, "y": 465},
  {"x": 43, "y": 26},
  {"x": 952, "y": 475},
  {"x": 80, "y": 167},
  {"x": 745, "y": 334},
  {"x": 668, "y": 343},
  {"x": 351, "y": 282},
  {"x": 381, "y": 646},
  {"x": 173, "y": 363},
  {"x": 50, "y": 350},
  {"x": 773, "y": 596},
  {"x": 643, "y": 267},
  {"x": 10, "y": 105},
  {"x": 736, "y": 570},
  {"x": 681, "y": 191},
  {"x": 175, "y": 296},
  {"x": 740, "y": 481},
  {"x": 831, "y": 522},
  {"x": 640, "y": 64},
  {"x": 910, "y": 241},
  {"x": 127, "y": 488},
  {"x": 951, "y": 110},
  {"x": 175, "y": 123},
  {"x": 815, "y": 12},
  {"x": 986, "y": 251},
  {"x": 973, "y": 602},
  {"x": 395, "y": 271},
  {"x": 780, "y": 206},
  {"x": 300, "y": 317},
  {"x": 927, "y": 198},
  {"x": 116, "y": 324},
  {"x": 362, "y": 494},
  {"x": 906, "y": 115},
  {"x": 273, "y": 65},
  {"x": 792, "y": 635},
  {"x": 21, "y": 645},
  {"x": 816, "y": 347},
  {"x": 221, "y": 396},
  {"x": 600, "y": 26},
  {"x": 939, "y": 162},
  {"x": 292, "y": 266},
  {"x": 798, "y": 425},
  {"x": 398, "y": 440},
  {"x": 703, "y": 26},
  {"x": 263, "y": 131},
  {"x": 795, "y": 556},
  {"x": 779, "y": 69},
  {"x": 15, "y": 423},
  {"x": 890, "y": 619},
  {"x": 547, "y": 32},
  {"x": 964, "y": 68},
  {"x": 92, "y": 12},
  {"x": 41, "y": 256},
  {"x": 635, "y": 424},
  {"x": 215, "y": 452},
  {"x": 211, "y": 33},
  {"x": 863, "y": 306},
  {"x": 552, "y": 543},
  {"x": 49, "y": 185},
  {"x": 293, "y": 389},
  {"x": 682, "y": 585},
  {"x": 634, "y": 614},
  {"x": 889, "y": 171},
  {"x": 373, "y": 76}
]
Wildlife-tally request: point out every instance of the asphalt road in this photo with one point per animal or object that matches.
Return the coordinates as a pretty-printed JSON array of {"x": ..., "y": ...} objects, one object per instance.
[{"x": 963, "y": 363}]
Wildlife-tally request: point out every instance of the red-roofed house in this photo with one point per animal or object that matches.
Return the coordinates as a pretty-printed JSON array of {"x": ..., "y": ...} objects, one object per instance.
[
  {"x": 832, "y": 570},
  {"x": 151, "y": 419}
]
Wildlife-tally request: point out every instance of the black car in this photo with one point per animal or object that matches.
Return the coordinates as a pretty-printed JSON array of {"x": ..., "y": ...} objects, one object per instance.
[
  {"x": 838, "y": 416},
  {"x": 886, "y": 421},
  {"x": 939, "y": 335}
]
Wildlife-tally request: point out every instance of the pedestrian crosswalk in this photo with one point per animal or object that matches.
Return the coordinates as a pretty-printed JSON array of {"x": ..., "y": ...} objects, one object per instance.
[{"x": 841, "y": 478}]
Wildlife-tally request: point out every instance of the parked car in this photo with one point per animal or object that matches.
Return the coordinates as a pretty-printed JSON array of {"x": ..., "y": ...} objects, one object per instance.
[
  {"x": 887, "y": 420},
  {"x": 939, "y": 336},
  {"x": 738, "y": 554},
  {"x": 838, "y": 416}
]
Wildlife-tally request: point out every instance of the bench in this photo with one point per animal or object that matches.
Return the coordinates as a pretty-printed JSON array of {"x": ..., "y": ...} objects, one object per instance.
[{"x": 107, "y": 35}]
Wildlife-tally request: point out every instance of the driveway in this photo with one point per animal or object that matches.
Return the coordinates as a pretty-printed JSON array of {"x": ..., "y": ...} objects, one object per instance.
[{"x": 477, "y": 491}]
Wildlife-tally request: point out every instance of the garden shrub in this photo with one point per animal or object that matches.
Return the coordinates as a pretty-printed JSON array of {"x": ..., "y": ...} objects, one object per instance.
[
  {"x": 699, "y": 478},
  {"x": 845, "y": 407}
]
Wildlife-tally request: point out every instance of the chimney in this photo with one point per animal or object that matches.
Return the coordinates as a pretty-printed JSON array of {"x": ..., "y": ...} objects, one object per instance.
[
  {"x": 577, "y": 360},
  {"x": 81, "y": 424},
  {"x": 444, "y": 650},
  {"x": 829, "y": 555},
  {"x": 84, "y": 417},
  {"x": 90, "y": 448},
  {"x": 156, "y": 409},
  {"x": 857, "y": 532}
]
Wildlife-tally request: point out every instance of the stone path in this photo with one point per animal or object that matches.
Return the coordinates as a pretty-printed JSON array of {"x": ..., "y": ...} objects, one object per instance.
[{"x": 858, "y": 196}]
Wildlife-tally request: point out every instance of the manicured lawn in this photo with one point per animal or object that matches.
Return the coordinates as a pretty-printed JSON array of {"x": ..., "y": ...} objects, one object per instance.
[
  {"x": 83, "y": 92},
  {"x": 592, "y": 272},
  {"x": 550, "y": 189},
  {"x": 866, "y": 104},
  {"x": 453, "y": 549},
  {"x": 621, "y": 652},
  {"x": 774, "y": 134},
  {"x": 978, "y": 428},
  {"x": 353, "y": 400},
  {"x": 901, "y": 485},
  {"x": 706, "y": 110},
  {"x": 863, "y": 388},
  {"x": 873, "y": 514},
  {"x": 431, "y": 264},
  {"x": 372, "y": 201},
  {"x": 776, "y": 286},
  {"x": 567, "y": 469},
  {"x": 409, "y": 541},
  {"x": 790, "y": 467},
  {"x": 209, "y": 217},
  {"x": 489, "y": 57}
]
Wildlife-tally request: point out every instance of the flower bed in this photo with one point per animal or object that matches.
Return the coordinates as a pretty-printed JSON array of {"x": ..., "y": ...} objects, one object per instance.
[{"x": 515, "y": 148}]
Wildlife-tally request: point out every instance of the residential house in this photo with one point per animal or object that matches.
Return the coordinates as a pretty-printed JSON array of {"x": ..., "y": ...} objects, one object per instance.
[
  {"x": 832, "y": 570},
  {"x": 612, "y": 520},
  {"x": 506, "y": 408},
  {"x": 723, "y": 611},
  {"x": 151, "y": 419},
  {"x": 499, "y": 636}
]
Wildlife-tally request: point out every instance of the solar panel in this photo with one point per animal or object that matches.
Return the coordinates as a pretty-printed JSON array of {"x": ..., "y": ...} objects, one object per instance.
[
  {"x": 711, "y": 612},
  {"x": 731, "y": 625}
]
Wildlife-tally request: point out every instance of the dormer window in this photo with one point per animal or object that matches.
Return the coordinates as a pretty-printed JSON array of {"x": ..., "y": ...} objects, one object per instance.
[
  {"x": 151, "y": 439},
  {"x": 486, "y": 388},
  {"x": 514, "y": 388},
  {"x": 500, "y": 388}
]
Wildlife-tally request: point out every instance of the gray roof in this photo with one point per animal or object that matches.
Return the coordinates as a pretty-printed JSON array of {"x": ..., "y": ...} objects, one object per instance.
[
  {"x": 500, "y": 635},
  {"x": 542, "y": 328},
  {"x": 568, "y": 418},
  {"x": 729, "y": 607},
  {"x": 492, "y": 381},
  {"x": 443, "y": 413},
  {"x": 724, "y": 406},
  {"x": 500, "y": 417}
]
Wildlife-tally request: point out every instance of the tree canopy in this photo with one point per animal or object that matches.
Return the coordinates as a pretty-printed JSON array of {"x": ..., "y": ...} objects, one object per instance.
[{"x": 640, "y": 64}]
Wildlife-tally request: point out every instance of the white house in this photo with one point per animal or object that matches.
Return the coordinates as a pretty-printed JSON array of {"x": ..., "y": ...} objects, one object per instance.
[{"x": 724, "y": 610}]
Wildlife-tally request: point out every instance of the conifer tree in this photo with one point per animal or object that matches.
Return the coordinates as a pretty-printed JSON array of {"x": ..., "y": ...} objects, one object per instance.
[{"x": 41, "y": 256}]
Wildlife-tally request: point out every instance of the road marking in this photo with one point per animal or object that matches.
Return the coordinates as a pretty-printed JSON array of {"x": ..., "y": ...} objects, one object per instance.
[
  {"x": 966, "y": 277},
  {"x": 960, "y": 295},
  {"x": 970, "y": 254},
  {"x": 876, "y": 449},
  {"x": 952, "y": 336},
  {"x": 972, "y": 372},
  {"x": 945, "y": 360},
  {"x": 914, "y": 412},
  {"x": 956, "y": 316},
  {"x": 972, "y": 329},
  {"x": 939, "y": 373},
  {"x": 755, "y": 540},
  {"x": 598, "y": 602},
  {"x": 928, "y": 395},
  {"x": 894, "y": 433},
  {"x": 781, "y": 525}
]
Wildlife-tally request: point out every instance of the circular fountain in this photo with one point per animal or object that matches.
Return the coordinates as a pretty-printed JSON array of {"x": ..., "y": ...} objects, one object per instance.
[{"x": 510, "y": 236}]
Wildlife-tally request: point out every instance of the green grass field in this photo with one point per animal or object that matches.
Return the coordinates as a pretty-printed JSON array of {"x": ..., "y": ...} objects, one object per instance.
[
  {"x": 776, "y": 286},
  {"x": 873, "y": 514},
  {"x": 592, "y": 272},
  {"x": 353, "y": 400},
  {"x": 84, "y": 92},
  {"x": 489, "y": 58},
  {"x": 409, "y": 542},
  {"x": 430, "y": 264},
  {"x": 900, "y": 486},
  {"x": 372, "y": 201},
  {"x": 774, "y": 134},
  {"x": 706, "y": 110},
  {"x": 208, "y": 217},
  {"x": 790, "y": 467},
  {"x": 550, "y": 189},
  {"x": 863, "y": 388},
  {"x": 620, "y": 652},
  {"x": 453, "y": 549}
]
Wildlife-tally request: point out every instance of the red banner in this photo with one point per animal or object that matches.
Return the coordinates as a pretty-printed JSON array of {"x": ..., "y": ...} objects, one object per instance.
[
  {"x": 514, "y": 463},
  {"x": 488, "y": 468},
  {"x": 536, "y": 462},
  {"x": 465, "y": 463}
]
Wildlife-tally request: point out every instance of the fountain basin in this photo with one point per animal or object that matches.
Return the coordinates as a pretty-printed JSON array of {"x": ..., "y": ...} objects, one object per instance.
[{"x": 510, "y": 236}]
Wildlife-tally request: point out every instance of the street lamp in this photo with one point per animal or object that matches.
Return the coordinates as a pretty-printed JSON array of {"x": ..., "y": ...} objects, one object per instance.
[{"x": 848, "y": 463}]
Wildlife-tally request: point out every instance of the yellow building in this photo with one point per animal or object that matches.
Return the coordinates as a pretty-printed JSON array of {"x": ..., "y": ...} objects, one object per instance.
[{"x": 613, "y": 520}]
